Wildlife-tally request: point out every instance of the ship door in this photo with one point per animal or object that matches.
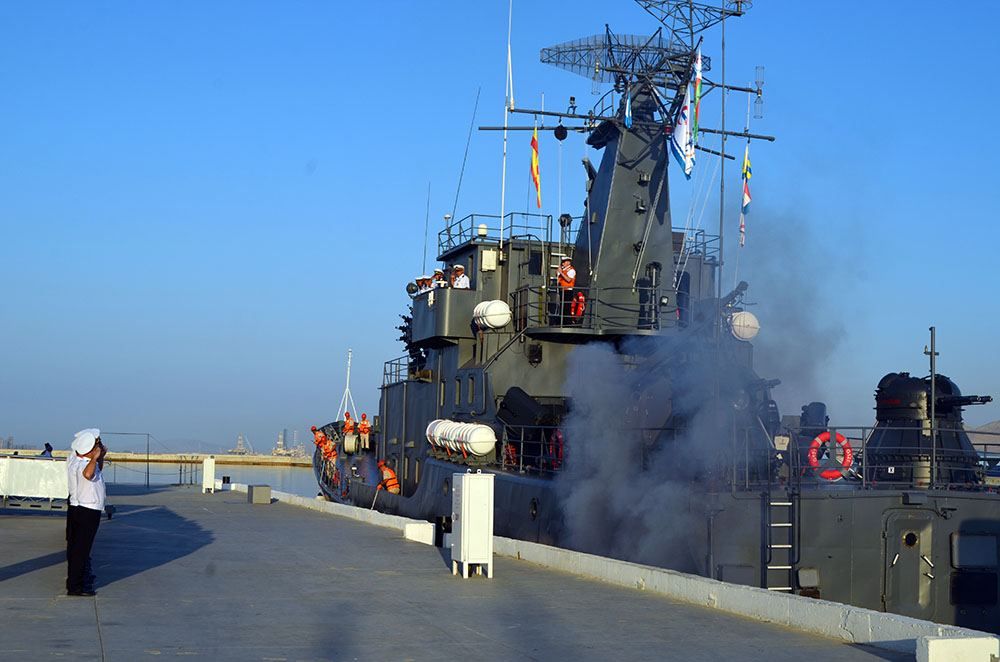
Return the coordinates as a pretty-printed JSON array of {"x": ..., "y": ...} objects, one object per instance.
[{"x": 908, "y": 586}]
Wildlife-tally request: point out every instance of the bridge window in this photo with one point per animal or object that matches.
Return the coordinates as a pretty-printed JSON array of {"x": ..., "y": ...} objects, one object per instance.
[
  {"x": 458, "y": 391},
  {"x": 472, "y": 389}
]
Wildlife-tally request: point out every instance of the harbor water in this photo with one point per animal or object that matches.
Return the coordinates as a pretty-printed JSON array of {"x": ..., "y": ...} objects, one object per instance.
[{"x": 295, "y": 480}]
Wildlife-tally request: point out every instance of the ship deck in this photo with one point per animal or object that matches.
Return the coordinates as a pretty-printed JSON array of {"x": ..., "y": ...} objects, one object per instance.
[{"x": 185, "y": 574}]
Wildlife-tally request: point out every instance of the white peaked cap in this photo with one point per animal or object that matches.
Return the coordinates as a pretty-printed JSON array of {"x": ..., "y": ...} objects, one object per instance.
[
  {"x": 458, "y": 266},
  {"x": 84, "y": 440},
  {"x": 439, "y": 270}
]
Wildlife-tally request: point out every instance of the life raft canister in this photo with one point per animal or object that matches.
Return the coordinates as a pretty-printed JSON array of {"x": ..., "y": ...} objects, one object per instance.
[{"x": 845, "y": 461}]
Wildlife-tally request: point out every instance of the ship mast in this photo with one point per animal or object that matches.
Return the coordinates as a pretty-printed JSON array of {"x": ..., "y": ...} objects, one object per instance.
[{"x": 347, "y": 398}]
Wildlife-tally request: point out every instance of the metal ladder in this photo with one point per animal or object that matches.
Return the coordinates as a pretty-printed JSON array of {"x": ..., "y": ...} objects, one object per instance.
[{"x": 779, "y": 553}]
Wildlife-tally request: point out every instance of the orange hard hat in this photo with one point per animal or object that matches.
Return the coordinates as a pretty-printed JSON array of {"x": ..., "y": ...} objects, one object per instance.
[
  {"x": 314, "y": 428},
  {"x": 381, "y": 463},
  {"x": 347, "y": 414},
  {"x": 364, "y": 415}
]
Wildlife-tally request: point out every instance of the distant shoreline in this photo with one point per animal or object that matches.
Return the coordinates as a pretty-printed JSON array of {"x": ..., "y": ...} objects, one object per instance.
[{"x": 182, "y": 458}]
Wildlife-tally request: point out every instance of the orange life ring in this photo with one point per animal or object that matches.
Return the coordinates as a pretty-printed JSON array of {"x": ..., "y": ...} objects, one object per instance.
[{"x": 845, "y": 462}]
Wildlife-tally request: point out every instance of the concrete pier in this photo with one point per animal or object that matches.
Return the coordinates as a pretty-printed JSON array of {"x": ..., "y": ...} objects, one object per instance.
[{"x": 212, "y": 576}]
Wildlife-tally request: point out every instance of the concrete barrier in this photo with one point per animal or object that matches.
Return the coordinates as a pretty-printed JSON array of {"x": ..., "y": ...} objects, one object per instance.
[
  {"x": 820, "y": 617},
  {"x": 966, "y": 649}
]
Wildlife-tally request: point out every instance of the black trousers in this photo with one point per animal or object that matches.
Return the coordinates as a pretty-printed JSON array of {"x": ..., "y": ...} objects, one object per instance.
[{"x": 81, "y": 528}]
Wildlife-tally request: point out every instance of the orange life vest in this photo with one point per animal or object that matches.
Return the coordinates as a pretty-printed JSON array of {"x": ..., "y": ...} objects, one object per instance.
[
  {"x": 578, "y": 306},
  {"x": 567, "y": 276},
  {"x": 364, "y": 427},
  {"x": 349, "y": 426},
  {"x": 389, "y": 480},
  {"x": 318, "y": 437}
]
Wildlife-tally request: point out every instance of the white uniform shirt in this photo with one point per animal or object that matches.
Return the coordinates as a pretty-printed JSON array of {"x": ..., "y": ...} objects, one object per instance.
[
  {"x": 83, "y": 492},
  {"x": 461, "y": 282}
]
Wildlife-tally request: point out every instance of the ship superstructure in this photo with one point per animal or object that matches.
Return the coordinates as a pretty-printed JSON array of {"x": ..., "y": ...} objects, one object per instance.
[{"x": 624, "y": 416}]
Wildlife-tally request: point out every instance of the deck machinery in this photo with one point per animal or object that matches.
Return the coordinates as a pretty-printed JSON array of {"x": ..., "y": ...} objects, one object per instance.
[{"x": 635, "y": 424}]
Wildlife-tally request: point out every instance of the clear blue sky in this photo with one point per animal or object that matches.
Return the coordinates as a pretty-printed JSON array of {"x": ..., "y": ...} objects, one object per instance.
[{"x": 203, "y": 205}]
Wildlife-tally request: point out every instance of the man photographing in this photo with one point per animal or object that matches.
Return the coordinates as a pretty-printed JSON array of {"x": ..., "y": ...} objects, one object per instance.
[{"x": 86, "y": 503}]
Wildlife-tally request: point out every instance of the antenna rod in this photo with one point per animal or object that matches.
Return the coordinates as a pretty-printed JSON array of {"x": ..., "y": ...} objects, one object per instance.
[
  {"x": 465, "y": 158},
  {"x": 427, "y": 222}
]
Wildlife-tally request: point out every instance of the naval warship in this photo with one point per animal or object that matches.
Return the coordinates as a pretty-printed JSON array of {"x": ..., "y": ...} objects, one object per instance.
[{"x": 624, "y": 416}]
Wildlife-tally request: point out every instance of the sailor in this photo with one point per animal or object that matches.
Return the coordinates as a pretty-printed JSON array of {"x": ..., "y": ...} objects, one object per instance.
[
  {"x": 424, "y": 284},
  {"x": 364, "y": 429},
  {"x": 319, "y": 437},
  {"x": 458, "y": 278},
  {"x": 389, "y": 481},
  {"x": 86, "y": 502},
  {"x": 567, "y": 281},
  {"x": 348, "y": 423},
  {"x": 439, "y": 279}
]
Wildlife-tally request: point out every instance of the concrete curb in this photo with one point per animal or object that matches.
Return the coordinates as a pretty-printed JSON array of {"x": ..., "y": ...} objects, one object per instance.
[{"x": 821, "y": 617}]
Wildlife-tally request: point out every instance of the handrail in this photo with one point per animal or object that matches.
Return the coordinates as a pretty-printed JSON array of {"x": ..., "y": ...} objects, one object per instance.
[{"x": 603, "y": 308}]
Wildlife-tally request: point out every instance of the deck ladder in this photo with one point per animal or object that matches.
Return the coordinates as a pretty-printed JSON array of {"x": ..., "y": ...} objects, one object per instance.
[{"x": 779, "y": 554}]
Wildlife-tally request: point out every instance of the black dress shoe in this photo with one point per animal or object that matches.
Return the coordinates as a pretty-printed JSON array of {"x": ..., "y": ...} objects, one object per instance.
[{"x": 84, "y": 593}]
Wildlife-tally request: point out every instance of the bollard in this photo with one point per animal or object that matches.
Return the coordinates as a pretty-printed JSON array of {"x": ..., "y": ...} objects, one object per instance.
[{"x": 208, "y": 475}]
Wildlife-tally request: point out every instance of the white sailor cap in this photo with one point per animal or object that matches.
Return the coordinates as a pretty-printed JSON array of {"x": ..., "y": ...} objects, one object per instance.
[
  {"x": 84, "y": 440},
  {"x": 458, "y": 267},
  {"x": 439, "y": 270}
]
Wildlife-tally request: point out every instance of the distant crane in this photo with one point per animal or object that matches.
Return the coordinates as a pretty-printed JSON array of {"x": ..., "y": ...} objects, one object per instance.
[{"x": 243, "y": 446}]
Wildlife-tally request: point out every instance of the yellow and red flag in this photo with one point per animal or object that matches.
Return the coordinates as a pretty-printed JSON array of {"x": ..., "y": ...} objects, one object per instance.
[{"x": 536, "y": 176}]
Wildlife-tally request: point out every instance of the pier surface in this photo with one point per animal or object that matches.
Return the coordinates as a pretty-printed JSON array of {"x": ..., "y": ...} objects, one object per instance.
[{"x": 181, "y": 574}]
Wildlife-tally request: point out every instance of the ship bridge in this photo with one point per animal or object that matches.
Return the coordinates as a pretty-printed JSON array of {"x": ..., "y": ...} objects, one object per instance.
[{"x": 516, "y": 259}]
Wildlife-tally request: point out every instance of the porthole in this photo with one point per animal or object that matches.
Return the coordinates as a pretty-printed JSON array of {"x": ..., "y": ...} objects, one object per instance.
[
  {"x": 910, "y": 539},
  {"x": 533, "y": 509},
  {"x": 445, "y": 487}
]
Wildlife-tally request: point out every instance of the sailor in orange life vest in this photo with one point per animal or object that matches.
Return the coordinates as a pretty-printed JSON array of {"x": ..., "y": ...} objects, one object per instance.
[
  {"x": 364, "y": 429},
  {"x": 567, "y": 281},
  {"x": 389, "y": 481},
  {"x": 348, "y": 423}
]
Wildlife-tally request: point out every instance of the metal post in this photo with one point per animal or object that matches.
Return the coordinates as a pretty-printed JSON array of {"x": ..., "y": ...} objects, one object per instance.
[
  {"x": 147, "y": 460},
  {"x": 933, "y": 355}
]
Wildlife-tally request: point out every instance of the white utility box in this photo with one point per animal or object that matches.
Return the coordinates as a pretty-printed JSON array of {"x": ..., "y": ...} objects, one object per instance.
[
  {"x": 208, "y": 474},
  {"x": 472, "y": 523}
]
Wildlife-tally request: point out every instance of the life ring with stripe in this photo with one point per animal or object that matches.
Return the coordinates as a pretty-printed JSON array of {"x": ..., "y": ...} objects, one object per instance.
[{"x": 845, "y": 462}]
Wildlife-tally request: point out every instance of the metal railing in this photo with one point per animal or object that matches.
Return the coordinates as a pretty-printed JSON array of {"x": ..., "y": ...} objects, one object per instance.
[
  {"x": 587, "y": 307},
  {"x": 859, "y": 458},
  {"x": 515, "y": 225},
  {"x": 396, "y": 370},
  {"x": 748, "y": 462},
  {"x": 532, "y": 449}
]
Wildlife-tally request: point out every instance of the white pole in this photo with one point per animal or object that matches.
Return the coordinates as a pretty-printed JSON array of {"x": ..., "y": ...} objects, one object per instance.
[{"x": 508, "y": 104}]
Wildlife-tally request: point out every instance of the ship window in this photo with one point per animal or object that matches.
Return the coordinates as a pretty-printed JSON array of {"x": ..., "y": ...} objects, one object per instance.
[
  {"x": 406, "y": 467},
  {"x": 458, "y": 391},
  {"x": 472, "y": 389},
  {"x": 441, "y": 395},
  {"x": 416, "y": 471},
  {"x": 535, "y": 263}
]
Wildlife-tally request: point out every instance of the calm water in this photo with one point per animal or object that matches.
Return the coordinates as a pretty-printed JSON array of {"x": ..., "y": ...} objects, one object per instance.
[{"x": 296, "y": 480}]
